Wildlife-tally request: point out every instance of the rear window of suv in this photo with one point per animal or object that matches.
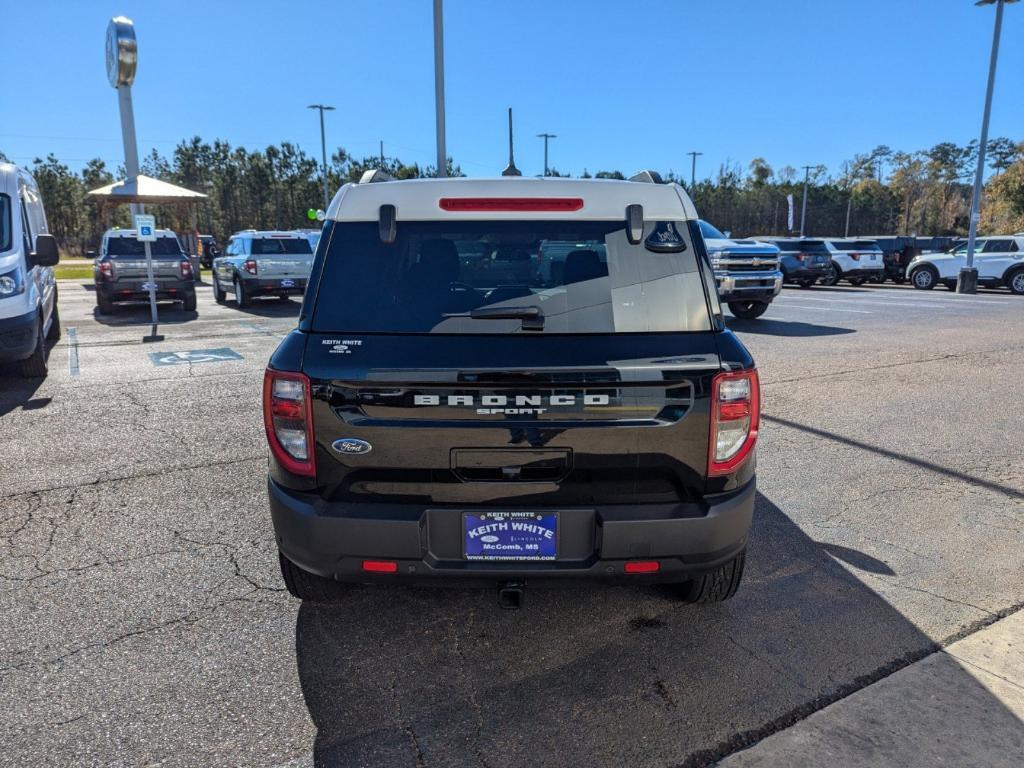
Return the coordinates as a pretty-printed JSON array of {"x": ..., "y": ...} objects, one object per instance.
[
  {"x": 266, "y": 246},
  {"x": 129, "y": 246},
  {"x": 806, "y": 246},
  {"x": 855, "y": 245},
  {"x": 453, "y": 277}
]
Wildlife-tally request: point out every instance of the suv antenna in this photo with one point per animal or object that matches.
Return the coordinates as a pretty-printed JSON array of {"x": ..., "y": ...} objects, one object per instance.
[{"x": 510, "y": 169}]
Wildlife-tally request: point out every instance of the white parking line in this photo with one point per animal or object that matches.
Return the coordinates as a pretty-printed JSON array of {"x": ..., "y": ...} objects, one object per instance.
[
  {"x": 871, "y": 302},
  {"x": 73, "y": 369},
  {"x": 827, "y": 309}
]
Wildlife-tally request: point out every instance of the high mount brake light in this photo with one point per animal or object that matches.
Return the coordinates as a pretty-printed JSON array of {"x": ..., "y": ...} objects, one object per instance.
[
  {"x": 510, "y": 203},
  {"x": 735, "y": 417},
  {"x": 288, "y": 419},
  {"x": 250, "y": 266}
]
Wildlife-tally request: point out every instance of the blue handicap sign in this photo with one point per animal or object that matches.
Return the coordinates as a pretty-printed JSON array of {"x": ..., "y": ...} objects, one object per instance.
[{"x": 192, "y": 356}]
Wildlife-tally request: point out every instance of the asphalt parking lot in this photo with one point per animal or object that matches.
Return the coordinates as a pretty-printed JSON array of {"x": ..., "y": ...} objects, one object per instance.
[{"x": 145, "y": 622}]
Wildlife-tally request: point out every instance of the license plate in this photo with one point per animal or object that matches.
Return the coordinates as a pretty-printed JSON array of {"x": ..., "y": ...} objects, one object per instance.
[
  {"x": 287, "y": 283},
  {"x": 510, "y": 536}
]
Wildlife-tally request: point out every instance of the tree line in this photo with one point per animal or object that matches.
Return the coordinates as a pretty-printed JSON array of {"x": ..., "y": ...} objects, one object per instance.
[{"x": 883, "y": 191}]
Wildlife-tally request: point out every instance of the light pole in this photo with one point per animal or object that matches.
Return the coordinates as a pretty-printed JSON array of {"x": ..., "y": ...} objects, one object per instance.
[
  {"x": 803, "y": 208},
  {"x": 693, "y": 167},
  {"x": 967, "y": 280},
  {"x": 323, "y": 146},
  {"x": 442, "y": 154},
  {"x": 546, "y": 136}
]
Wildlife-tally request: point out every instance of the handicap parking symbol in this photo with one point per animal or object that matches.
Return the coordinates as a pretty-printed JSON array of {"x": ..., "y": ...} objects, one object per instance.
[{"x": 193, "y": 356}]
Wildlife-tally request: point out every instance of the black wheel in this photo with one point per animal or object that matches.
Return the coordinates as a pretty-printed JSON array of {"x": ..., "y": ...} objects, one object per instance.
[
  {"x": 950, "y": 285},
  {"x": 856, "y": 281},
  {"x": 54, "y": 333},
  {"x": 899, "y": 280},
  {"x": 924, "y": 277},
  {"x": 242, "y": 298},
  {"x": 282, "y": 297},
  {"x": 189, "y": 304},
  {"x": 833, "y": 276},
  {"x": 34, "y": 366},
  {"x": 806, "y": 283},
  {"x": 1015, "y": 282},
  {"x": 748, "y": 310},
  {"x": 308, "y": 586},
  {"x": 716, "y": 586},
  {"x": 218, "y": 294},
  {"x": 106, "y": 306}
]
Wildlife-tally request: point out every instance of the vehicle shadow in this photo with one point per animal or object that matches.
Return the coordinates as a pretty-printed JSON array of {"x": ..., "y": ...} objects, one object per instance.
[
  {"x": 601, "y": 676},
  {"x": 270, "y": 308},
  {"x": 768, "y": 327},
  {"x": 138, "y": 314},
  {"x": 828, "y": 289},
  {"x": 17, "y": 393}
]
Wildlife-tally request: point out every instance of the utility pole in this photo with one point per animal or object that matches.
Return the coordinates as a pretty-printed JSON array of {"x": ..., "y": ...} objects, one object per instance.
[
  {"x": 849, "y": 205},
  {"x": 967, "y": 280},
  {"x": 442, "y": 154},
  {"x": 382, "y": 154},
  {"x": 693, "y": 167},
  {"x": 546, "y": 136},
  {"x": 803, "y": 209},
  {"x": 323, "y": 147}
]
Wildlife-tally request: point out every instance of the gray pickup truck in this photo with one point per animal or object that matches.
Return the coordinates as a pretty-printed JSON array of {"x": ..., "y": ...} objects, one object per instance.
[
  {"x": 120, "y": 270},
  {"x": 262, "y": 264}
]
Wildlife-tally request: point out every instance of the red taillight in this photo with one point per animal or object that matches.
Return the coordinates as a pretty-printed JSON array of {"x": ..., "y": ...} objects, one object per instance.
[
  {"x": 855, "y": 256},
  {"x": 801, "y": 257},
  {"x": 642, "y": 566},
  {"x": 380, "y": 566},
  {"x": 288, "y": 419},
  {"x": 106, "y": 270},
  {"x": 735, "y": 416},
  {"x": 250, "y": 266},
  {"x": 511, "y": 203},
  {"x": 185, "y": 268}
]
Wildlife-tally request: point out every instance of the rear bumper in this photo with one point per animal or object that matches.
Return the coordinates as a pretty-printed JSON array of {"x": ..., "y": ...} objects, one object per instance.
[
  {"x": 168, "y": 290},
  {"x": 807, "y": 273},
  {"x": 333, "y": 539},
  {"x": 860, "y": 272},
  {"x": 292, "y": 286},
  {"x": 17, "y": 337}
]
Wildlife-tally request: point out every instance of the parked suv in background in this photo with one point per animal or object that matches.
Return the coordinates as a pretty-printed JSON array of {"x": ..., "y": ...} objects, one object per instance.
[
  {"x": 262, "y": 264},
  {"x": 121, "y": 274},
  {"x": 28, "y": 291},
  {"x": 856, "y": 261},
  {"x": 210, "y": 250},
  {"x": 803, "y": 261},
  {"x": 446, "y": 412},
  {"x": 746, "y": 272},
  {"x": 1000, "y": 261}
]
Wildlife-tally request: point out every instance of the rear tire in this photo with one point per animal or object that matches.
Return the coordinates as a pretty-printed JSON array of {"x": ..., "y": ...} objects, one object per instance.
[
  {"x": 1015, "y": 282},
  {"x": 924, "y": 278},
  {"x": 748, "y": 310},
  {"x": 34, "y": 366},
  {"x": 857, "y": 281},
  {"x": 833, "y": 276},
  {"x": 716, "y": 586},
  {"x": 189, "y": 303},
  {"x": 105, "y": 305},
  {"x": 806, "y": 283},
  {"x": 54, "y": 333},
  {"x": 242, "y": 298},
  {"x": 308, "y": 586}
]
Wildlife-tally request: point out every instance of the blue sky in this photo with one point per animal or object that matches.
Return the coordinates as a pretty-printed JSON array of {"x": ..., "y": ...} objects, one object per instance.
[{"x": 623, "y": 85}]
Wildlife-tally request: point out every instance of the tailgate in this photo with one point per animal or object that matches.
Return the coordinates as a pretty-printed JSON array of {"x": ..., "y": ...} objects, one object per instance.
[
  {"x": 134, "y": 267},
  {"x": 284, "y": 265},
  {"x": 581, "y": 420}
]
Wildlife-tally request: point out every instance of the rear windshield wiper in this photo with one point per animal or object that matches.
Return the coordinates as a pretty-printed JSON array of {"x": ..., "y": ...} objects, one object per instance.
[{"x": 532, "y": 316}]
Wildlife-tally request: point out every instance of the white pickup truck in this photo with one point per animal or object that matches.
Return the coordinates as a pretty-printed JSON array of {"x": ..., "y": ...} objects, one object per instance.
[{"x": 262, "y": 264}]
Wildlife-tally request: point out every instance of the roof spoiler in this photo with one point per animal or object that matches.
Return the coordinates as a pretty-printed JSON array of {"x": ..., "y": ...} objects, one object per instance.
[
  {"x": 374, "y": 175},
  {"x": 648, "y": 177}
]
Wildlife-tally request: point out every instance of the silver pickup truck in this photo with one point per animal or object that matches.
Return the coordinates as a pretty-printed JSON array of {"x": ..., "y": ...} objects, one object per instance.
[
  {"x": 262, "y": 264},
  {"x": 120, "y": 274},
  {"x": 747, "y": 272}
]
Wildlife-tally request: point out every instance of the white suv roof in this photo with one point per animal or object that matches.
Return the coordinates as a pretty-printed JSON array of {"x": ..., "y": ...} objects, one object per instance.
[
  {"x": 131, "y": 233},
  {"x": 420, "y": 199},
  {"x": 264, "y": 233}
]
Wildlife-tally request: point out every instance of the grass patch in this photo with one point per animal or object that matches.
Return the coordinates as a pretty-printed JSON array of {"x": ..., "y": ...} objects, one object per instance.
[{"x": 73, "y": 269}]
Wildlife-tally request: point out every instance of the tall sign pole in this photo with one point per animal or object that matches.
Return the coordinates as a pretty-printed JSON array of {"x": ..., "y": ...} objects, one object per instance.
[
  {"x": 122, "y": 59},
  {"x": 442, "y": 153}
]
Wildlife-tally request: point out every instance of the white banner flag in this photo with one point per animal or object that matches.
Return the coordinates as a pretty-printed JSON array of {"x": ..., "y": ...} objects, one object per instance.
[{"x": 789, "y": 219}]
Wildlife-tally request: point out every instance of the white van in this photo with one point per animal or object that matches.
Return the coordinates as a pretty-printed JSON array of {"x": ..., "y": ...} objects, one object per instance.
[{"x": 28, "y": 290}]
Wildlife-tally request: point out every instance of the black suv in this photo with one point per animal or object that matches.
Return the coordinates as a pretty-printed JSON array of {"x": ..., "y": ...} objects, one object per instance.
[
  {"x": 803, "y": 261},
  {"x": 511, "y": 381}
]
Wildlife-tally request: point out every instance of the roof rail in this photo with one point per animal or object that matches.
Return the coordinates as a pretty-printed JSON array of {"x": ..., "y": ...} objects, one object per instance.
[
  {"x": 648, "y": 177},
  {"x": 374, "y": 175}
]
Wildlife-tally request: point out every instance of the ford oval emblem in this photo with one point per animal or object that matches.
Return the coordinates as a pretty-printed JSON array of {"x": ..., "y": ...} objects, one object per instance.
[{"x": 350, "y": 445}]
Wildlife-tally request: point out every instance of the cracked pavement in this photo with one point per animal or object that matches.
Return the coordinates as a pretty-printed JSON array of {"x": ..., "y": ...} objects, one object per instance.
[{"x": 146, "y": 621}]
